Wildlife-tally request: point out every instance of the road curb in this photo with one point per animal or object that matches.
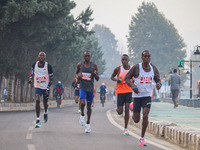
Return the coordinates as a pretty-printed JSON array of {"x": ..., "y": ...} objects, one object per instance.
[{"x": 185, "y": 137}]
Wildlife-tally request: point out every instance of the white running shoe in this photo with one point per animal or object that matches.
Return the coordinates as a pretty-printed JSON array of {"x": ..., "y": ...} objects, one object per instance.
[
  {"x": 87, "y": 128},
  {"x": 82, "y": 120}
]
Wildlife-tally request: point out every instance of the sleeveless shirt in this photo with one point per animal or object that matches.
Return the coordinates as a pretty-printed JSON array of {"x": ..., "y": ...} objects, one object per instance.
[{"x": 87, "y": 82}]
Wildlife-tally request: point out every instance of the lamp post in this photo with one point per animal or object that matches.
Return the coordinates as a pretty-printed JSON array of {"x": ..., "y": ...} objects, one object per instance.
[{"x": 191, "y": 61}]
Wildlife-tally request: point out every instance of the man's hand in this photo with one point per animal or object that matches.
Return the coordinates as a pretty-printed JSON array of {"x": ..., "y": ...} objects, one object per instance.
[
  {"x": 158, "y": 86},
  {"x": 47, "y": 92},
  {"x": 30, "y": 81},
  {"x": 76, "y": 88},
  {"x": 136, "y": 90},
  {"x": 119, "y": 80},
  {"x": 94, "y": 71}
]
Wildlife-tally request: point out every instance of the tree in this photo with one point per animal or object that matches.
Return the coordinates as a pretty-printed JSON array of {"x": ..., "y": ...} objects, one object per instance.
[
  {"x": 108, "y": 44},
  {"x": 28, "y": 27},
  {"x": 150, "y": 30}
]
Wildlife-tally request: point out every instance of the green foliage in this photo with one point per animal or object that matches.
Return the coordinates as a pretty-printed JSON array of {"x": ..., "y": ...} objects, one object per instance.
[
  {"x": 150, "y": 30},
  {"x": 109, "y": 47},
  {"x": 29, "y": 27}
]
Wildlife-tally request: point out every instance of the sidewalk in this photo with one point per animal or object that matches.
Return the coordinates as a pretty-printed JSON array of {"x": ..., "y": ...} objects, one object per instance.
[
  {"x": 6, "y": 106},
  {"x": 182, "y": 115},
  {"x": 180, "y": 126}
]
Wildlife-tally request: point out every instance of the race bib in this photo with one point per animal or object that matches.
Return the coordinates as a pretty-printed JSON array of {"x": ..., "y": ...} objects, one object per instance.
[
  {"x": 86, "y": 76},
  {"x": 41, "y": 79},
  {"x": 146, "y": 79},
  {"x": 78, "y": 85}
]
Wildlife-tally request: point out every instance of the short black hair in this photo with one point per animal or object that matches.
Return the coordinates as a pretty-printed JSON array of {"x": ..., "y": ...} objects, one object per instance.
[
  {"x": 175, "y": 70},
  {"x": 145, "y": 51},
  {"x": 125, "y": 55},
  {"x": 87, "y": 52}
]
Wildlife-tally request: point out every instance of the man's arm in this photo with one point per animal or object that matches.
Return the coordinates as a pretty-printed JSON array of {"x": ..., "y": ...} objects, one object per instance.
[
  {"x": 133, "y": 72},
  {"x": 50, "y": 71},
  {"x": 95, "y": 72},
  {"x": 31, "y": 73},
  {"x": 157, "y": 78},
  {"x": 114, "y": 74},
  {"x": 77, "y": 73}
]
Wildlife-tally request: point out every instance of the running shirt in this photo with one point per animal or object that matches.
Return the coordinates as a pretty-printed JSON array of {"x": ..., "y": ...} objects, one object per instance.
[
  {"x": 144, "y": 82},
  {"x": 42, "y": 75},
  {"x": 123, "y": 87},
  {"x": 87, "y": 82}
]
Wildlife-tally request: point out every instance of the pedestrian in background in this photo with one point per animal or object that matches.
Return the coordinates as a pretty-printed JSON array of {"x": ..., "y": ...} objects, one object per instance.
[
  {"x": 5, "y": 94},
  {"x": 174, "y": 83}
]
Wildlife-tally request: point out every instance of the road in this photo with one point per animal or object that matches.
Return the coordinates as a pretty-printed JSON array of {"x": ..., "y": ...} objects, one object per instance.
[{"x": 63, "y": 132}]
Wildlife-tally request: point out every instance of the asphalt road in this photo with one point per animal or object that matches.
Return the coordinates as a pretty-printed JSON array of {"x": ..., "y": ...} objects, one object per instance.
[{"x": 63, "y": 132}]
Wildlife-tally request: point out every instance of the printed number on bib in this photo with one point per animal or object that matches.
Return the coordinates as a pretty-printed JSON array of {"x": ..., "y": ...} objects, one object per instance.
[
  {"x": 86, "y": 76},
  {"x": 41, "y": 79},
  {"x": 146, "y": 79}
]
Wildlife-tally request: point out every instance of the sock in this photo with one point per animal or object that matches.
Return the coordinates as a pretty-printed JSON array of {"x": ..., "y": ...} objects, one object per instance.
[{"x": 38, "y": 118}]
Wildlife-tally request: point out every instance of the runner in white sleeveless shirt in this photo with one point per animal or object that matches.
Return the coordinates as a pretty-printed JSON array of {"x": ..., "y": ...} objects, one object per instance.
[
  {"x": 144, "y": 73},
  {"x": 42, "y": 73}
]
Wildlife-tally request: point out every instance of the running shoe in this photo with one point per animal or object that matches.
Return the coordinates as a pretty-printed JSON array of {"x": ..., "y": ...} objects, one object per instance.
[
  {"x": 45, "y": 118},
  {"x": 142, "y": 142},
  {"x": 82, "y": 120},
  {"x": 126, "y": 132},
  {"x": 79, "y": 111},
  {"x": 38, "y": 124},
  {"x": 87, "y": 128}
]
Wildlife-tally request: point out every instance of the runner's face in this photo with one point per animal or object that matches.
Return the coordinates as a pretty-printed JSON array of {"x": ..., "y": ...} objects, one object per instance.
[
  {"x": 87, "y": 56},
  {"x": 146, "y": 57},
  {"x": 125, "y": 60},
  {"x": 41, "y": 57}
]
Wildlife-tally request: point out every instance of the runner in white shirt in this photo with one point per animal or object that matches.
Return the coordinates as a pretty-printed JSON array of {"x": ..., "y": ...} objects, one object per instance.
[
  {"x": 42, "y": 73},
  {"x": 144, "y": 73}
]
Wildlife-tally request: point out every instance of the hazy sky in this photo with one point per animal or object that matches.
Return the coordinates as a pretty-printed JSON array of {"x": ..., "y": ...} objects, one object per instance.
[{"x": 116, "y": 15}]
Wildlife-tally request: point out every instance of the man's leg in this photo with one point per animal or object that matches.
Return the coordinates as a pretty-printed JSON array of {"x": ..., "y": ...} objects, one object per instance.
[
  {"x": 37, "y": 105},
  {"x": 145, "y": 120},
  {"x": 127, "y": 101},
  {"x": 136, "y": 109},
  {"x": 120, "y": 103},
  {"x": 89, "y": 112},
  {"x": 173, "y": 97},
  {"x": 176, "y": 92},
  {"x": 82, "y": 101},
  {"x": 126, "y": 117},
  {"x": 38, "y": 93}
]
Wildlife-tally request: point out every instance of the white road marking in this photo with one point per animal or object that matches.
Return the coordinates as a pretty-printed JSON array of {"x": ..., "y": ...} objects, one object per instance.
[
  {"x": 133, "y": 134},
  {"x": 31, "y": 147},
  {"x": 30, "y": 128},
  {"x": 29, "y": 136}
]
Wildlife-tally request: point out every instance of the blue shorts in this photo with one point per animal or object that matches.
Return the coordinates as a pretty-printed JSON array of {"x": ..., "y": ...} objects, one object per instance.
[
  {"x": 86, "y": 95},
  {"x": 42, "y": 92},
  {"x": 76, "y": 93}
]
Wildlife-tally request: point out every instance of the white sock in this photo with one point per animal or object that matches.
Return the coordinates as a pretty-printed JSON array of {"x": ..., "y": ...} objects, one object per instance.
[
  {"x": 38, "y": 118},
  {"x": 46, "y": 112}
]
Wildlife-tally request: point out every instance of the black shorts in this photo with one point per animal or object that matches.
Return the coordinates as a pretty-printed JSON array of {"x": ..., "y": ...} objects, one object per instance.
[
  {"x": 76, "y": 93},
  {"x": 141, "y": 102},
  {"x": 123, "y": 98}
]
